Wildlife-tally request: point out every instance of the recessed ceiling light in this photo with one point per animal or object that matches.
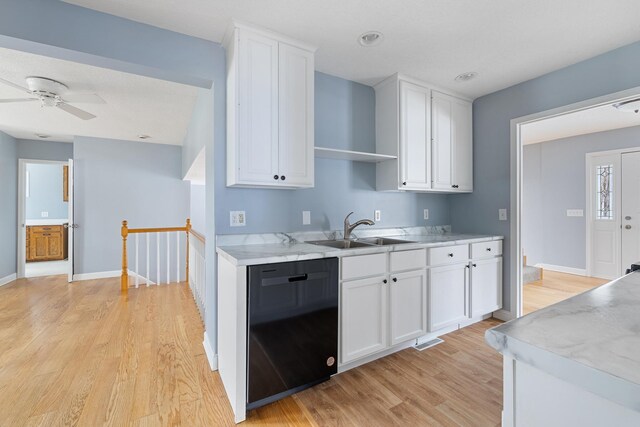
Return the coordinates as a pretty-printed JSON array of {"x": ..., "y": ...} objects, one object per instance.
[
  {"x": 43, "y": 136},
  {"x": 370, "y": 38},
  {"x": 630, "y": 106},
  {"x": 465, "y": 77},
  {"x": 144, "y": 136}
]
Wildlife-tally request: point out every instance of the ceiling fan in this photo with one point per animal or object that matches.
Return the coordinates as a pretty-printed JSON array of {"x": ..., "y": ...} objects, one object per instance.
[{"x": 51, "y": 93}]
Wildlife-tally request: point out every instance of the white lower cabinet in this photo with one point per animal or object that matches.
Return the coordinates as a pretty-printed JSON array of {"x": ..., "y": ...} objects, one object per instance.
[
  {"x": 448, "y": 295},
  {"x": 407, "y": 306},
  {"x": 486, "y": 286},
  {"x": 363, "y": 317}
]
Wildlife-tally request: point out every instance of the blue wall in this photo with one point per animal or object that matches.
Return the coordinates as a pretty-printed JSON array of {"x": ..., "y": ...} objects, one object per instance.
[
  {"x": 9, "y": 209},
  {"x": 46, "y": 192},
  {"x": 118, "y": 180},
  {"x": 478, "y": 212},
  {"x": 344, "y": 118},
  {"x": 44, "y": 150}
]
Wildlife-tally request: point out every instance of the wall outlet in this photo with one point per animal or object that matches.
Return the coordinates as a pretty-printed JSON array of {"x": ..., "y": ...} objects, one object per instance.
[
  {"x": 44, "y": 214},
  {"x": 575, "y": 212},
  {"x": 306, "y": 217},
  {"x": 426, "y": 214},
  {"x": 502, "y": 214},
  {"x": 237, "y": 218},
  {"x": 376, "y": 216}
]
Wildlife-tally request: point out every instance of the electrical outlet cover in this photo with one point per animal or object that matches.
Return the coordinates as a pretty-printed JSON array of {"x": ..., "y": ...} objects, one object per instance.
[
  {"x": 426, "y": 214},
  {"x": 502, "y": 214},
  {"x": 237, "y": 219},
  {"x": 376, "y": 216},
  {"x": 306, "y": 217}
]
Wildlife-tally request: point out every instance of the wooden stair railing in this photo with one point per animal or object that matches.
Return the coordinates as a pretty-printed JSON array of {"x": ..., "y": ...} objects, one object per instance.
[{"x": 125, "y": 231}]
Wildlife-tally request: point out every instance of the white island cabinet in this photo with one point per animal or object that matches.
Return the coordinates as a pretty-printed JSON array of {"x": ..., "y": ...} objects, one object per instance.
[
  {"x": 575, "y": 363},
  {"x": 270, "y": 110}
]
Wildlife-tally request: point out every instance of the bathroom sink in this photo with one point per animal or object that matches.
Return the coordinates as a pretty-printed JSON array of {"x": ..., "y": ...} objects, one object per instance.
[
  {"x": 383, "y": 241},
  {"x": 343, "y": 244}
]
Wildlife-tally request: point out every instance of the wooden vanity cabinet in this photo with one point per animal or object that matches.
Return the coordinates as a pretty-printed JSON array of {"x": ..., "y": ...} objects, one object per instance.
[{"x": 46, "y": 243}]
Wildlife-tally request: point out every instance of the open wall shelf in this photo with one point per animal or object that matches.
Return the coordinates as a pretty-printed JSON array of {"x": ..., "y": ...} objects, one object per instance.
[{"x": 356, "y": 156}]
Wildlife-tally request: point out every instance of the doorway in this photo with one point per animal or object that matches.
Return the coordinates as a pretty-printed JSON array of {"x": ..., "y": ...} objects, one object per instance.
[
  {"x": 518, "y": 128},
  {"x": 45, "y": 195}
]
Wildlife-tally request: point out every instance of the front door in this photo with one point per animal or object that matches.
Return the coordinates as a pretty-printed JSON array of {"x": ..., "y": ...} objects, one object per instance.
[
  {"x": 630, "y": 209},
  {"x": 604, "y": 218}
]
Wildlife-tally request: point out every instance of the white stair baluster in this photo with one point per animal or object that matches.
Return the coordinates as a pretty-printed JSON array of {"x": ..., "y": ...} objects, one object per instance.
[
  {"x": 146, "y": 236},
  {"x": 158, "y": 258},
  {"x": 137, "y": 275}
]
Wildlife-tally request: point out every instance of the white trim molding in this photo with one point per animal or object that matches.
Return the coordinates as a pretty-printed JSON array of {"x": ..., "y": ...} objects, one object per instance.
[
  {"x": 212, "y": 357},
  {"x": 8, "y": 279},
  {"x": 504, "y": 315},
  {"x": 563, "y": 269},
  {"x": 97, "y": 275}
]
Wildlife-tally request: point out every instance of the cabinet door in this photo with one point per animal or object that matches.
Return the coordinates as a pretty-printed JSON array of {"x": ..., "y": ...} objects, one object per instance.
[
  {"x": 415, "y": 141},
  {"x": 448, "y": 296},
  {"x": 296, "y": 91},
  {"x": 54, "y": 246},
  {"x": 39, "y": 249},
  {"x": 408, "y": 305},
  {"x": 452, "y": 143},
  {"x": 363, "y": 317},
  {"x": 486, "y": 286},
  {"x": 257, "y": 141}
]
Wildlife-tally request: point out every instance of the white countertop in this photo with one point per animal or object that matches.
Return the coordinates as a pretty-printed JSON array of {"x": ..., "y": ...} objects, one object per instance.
[
  {"x": 591, "y": 340},
  {"x": 252, "y": 254}
]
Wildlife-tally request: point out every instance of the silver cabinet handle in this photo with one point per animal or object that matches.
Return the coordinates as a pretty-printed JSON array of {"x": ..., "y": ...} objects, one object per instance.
[{"x": 628, "y": 227}]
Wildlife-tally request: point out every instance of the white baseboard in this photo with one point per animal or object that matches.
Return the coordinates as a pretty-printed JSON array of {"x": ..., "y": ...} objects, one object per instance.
[
  {"x": 563, "y": 269},
  {"x": 109, "y": 275},
  {"x": 97, "y": 275},
  {"x": 8, "y": 279},
  {"x": 208, "y": 350},
  {"x": 503, "y": 315}
]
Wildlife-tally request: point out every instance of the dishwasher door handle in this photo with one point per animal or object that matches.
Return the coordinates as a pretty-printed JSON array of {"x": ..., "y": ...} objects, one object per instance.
[
  {"x": 282, "y": 280},
  {"x": 299, "y": 278}
]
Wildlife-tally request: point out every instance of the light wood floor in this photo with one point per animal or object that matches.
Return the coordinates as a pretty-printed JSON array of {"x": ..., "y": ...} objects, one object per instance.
[
  {"x": 555, "y": 287},
  {"x": 81, "y": 354}
]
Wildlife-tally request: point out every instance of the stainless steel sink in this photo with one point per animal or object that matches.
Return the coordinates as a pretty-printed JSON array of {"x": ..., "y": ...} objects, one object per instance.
[
  {"x": 383, "y": 241},
  {"x": 342, "y": 244}
]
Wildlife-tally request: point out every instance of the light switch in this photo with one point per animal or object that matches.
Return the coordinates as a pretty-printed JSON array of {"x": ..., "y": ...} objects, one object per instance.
[
  {"x": 502, "y": 214},
  {"x": 44, "y": 214},
  {"x": 426, "y": 214},
  {"x": 237, "y": 218},
  {"x": 575, "y": 212},
  {"x": 376, "y": 216},
  {"x": 306, "y": 217}
]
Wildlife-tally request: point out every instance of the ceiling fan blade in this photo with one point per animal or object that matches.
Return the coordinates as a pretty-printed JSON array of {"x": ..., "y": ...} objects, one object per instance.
[
  {"x": 81, "y": 114},
  {"x": 84, "y": 98},
  {"x": 6, "y": 101},
  {"x": 13, "y": 85}
]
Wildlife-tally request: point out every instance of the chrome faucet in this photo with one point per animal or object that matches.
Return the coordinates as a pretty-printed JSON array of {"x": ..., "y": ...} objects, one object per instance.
[{"x": 348, "y": 228}]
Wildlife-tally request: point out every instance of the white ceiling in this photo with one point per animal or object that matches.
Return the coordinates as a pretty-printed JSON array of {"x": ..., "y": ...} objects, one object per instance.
[
  {"x": 504, "y": 41},
  {"x": 134, "y": 105},
  {"x": 597, "y": 119}
]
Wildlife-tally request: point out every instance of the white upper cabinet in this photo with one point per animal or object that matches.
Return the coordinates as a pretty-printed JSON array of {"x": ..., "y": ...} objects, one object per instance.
[
  {"x": 270, "y": 99},
  {"x": 429, "y": 132},
  {"x": 452, "y": 145}
]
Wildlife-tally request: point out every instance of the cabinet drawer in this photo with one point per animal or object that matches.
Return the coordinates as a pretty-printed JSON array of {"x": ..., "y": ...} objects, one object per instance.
[
  {"x": 408, "y": 260},
  {"x": 448, "y": 254},
  {"x": 45, "y": 228},
  {"x": 486, "y": 249},
  {"x": 364, "y": 266}
]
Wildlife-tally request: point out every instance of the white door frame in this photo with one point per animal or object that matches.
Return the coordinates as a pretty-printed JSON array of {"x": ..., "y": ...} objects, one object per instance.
[
  {"x": 515, "y": 249},
  {"x": 22, "y": 235}
]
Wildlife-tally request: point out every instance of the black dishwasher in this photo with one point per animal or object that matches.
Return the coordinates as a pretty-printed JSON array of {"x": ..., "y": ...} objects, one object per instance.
[{"x": 292, "y": 337}]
